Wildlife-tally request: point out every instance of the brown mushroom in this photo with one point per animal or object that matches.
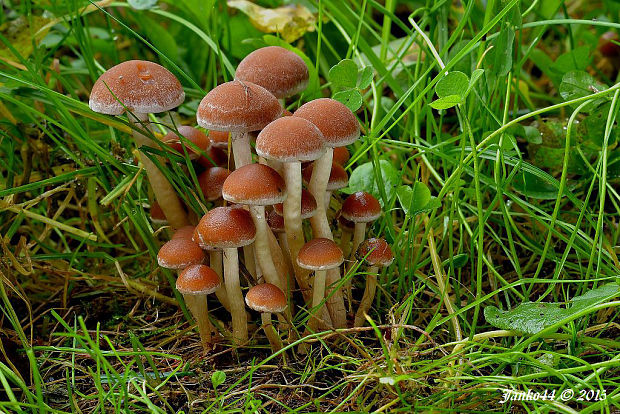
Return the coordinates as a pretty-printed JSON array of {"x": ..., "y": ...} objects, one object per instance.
[
  {"x": 229, "y": 228},
  {"x": 195, "y": 283},
  {"x": 319, "y": 255},
  {"x": 143, "y": 87},
  {"x": 376, "y": 252},
  {"x": 238, "y": 107},
  {"x": 267, "y": 298},
  {"x": 177, "y": 140}
]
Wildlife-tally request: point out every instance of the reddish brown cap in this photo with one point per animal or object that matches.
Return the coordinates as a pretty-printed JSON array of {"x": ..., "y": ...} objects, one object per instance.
[
  {"x": 275, "y": 221},
  {"x": 255, "y": 184},
  {"x": 157, "y": 214},
  {"x": 194, "y": 135},
  {"x": 335, "y": 121},
  {"x": 225, "y": 227},
  {"x": 361, "y": 207},
  {"x": 198, "y": 280},
  {"x": 341, "y": 155},
  {"x": 216, "y": 155},
  {"x": 266, "y": 298},
  {"x": 320, "y": 254},
  {"x": 280, "y": 71},
  {"x": 142, "y": 86},
  {"x": 338, "y": 177},
  {"x": 606, "y": 44},
  {"x": 308, "y": 205},
  {"x": 345, "y": 225},
  {"x": 376, "y": 252},
  {"x": 219, "y": 139},
  {"x": 184, "y": 233},
  {"x": 238, "y": 107},
  {"x": 211, "y": 182},
  {"x": 180, "y": 253},
  {"x": 290, "y": 139}
]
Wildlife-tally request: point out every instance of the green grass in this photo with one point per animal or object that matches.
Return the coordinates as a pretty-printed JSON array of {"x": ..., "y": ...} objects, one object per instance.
[{"x": 89, "y": 322}]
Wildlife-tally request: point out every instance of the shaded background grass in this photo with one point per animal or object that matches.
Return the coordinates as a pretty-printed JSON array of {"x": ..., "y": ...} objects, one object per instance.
[{"x": 90, "y": 322}]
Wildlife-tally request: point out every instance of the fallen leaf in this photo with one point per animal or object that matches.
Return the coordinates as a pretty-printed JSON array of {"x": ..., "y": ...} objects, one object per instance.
[{"x": 291, "y": 22}]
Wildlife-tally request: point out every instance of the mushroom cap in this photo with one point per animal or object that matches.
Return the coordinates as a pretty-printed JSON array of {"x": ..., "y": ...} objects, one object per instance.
[
  {"x": 211, "y": 182},
  {"x": 180, "y": 253},
  {"x": 185, "y": 232},
  {"x": 225, "y": 228},
  {"x": 237, "y": 107},
  {"x": 335, "y": 121},
  {"x": 254, "y": 184},
  {"x": 606, "y": 45},
  {"x": 338, "y": 177},
  {"x": 376, "y": 252},
  {"x": 215, "y": 155},
  {"x": 157, "y": 214},
  {"x": 320, "y": 254},
  {"x": 275, "y": 222},
  {"x": 198, "y": 280},
  {"x": 142, "y": 86},
  {"x": 308, "y": 205},
  {"x": 219, "y": 139},
  {"x": 341, "y": 155},
  {"x": 194, "y": 135},
  {"x": 361, "y": 207},
  {"x": 290, "y": 139},
  {"x": 266, "y": 298},
  {"x": 280, "y": 71}
]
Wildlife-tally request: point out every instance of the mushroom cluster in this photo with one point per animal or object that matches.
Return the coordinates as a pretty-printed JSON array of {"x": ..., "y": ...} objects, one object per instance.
[{"x": 254, "y": 197}]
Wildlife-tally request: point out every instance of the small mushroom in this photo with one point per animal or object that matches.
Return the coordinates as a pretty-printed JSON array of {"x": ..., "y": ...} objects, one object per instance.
[
  {"x": 179, "y": 253},
  {"x": 229, "y": 228},
  {"x": 360, "y": 208},
  {"x": 341, "y": 155},
  {"x": 292, "y": 140},
  {"x": 267, "y": 299},
  {"x": 238, "y": 107},
  {"x": 143, "y": 87},
  {"x": 184, "y": 233},
  {"x": 195, "y": 283},
  {"x": 211, "y": 182},
  {"x": 376, "y": 252},
  {"x": 319, "y": 255},
  {"x": 280, "y": 71},
  {"x": 308, "y": 205},
  {"x": 186, "y": 133},
  {"x": 158, "y": 217}
]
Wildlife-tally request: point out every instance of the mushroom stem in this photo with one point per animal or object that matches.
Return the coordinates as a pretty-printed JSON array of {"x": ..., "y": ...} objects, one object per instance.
[
  {"x": 270, "y": 332},
  {"x": 358, "y": 237},
  {"x": 197, "y": 305},
  {"x": 318, "y": 295},
  {"x": 233, "y": 290},
  {"x": 345, "y": 242},
  {"x": 215, "y": 263},
  {"x": 328, "y": 197},
  {"x": 320, "y": 228},
  {"x": 292, "y": 221},
  {"x": 368, "y": 298},
  {"x": 242, "y": 152},
  {"x": 162, "y": 189},
  {"x": 283, "y": 244},
  {"x": 263, "y": 251}
]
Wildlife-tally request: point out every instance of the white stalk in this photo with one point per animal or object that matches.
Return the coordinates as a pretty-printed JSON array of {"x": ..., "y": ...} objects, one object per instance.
[
  {"x": 233, "y": 289},
  {"x": 368, "y": 298}
]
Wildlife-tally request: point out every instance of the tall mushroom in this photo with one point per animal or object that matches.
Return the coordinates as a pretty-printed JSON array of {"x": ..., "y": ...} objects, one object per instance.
[
  {"x": 280, "y": 71},
  {"x": 267, "y": 298},
  {"x": 338, "y": 178},
  {"x": 257, "y": 186},
  {"x": 292, "y": 140},
  {"x": 238, "y": 107},
  {"x": 195, "y": 283},
  {"x": 229, "y": 228},
  {"x": 319, "y": 255},
  {"x": 308, "y": 205},
  {"x": 377, "y": 253},
  {"x": 143, "y": 87},
  {"x": 339, "y": 128}
]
